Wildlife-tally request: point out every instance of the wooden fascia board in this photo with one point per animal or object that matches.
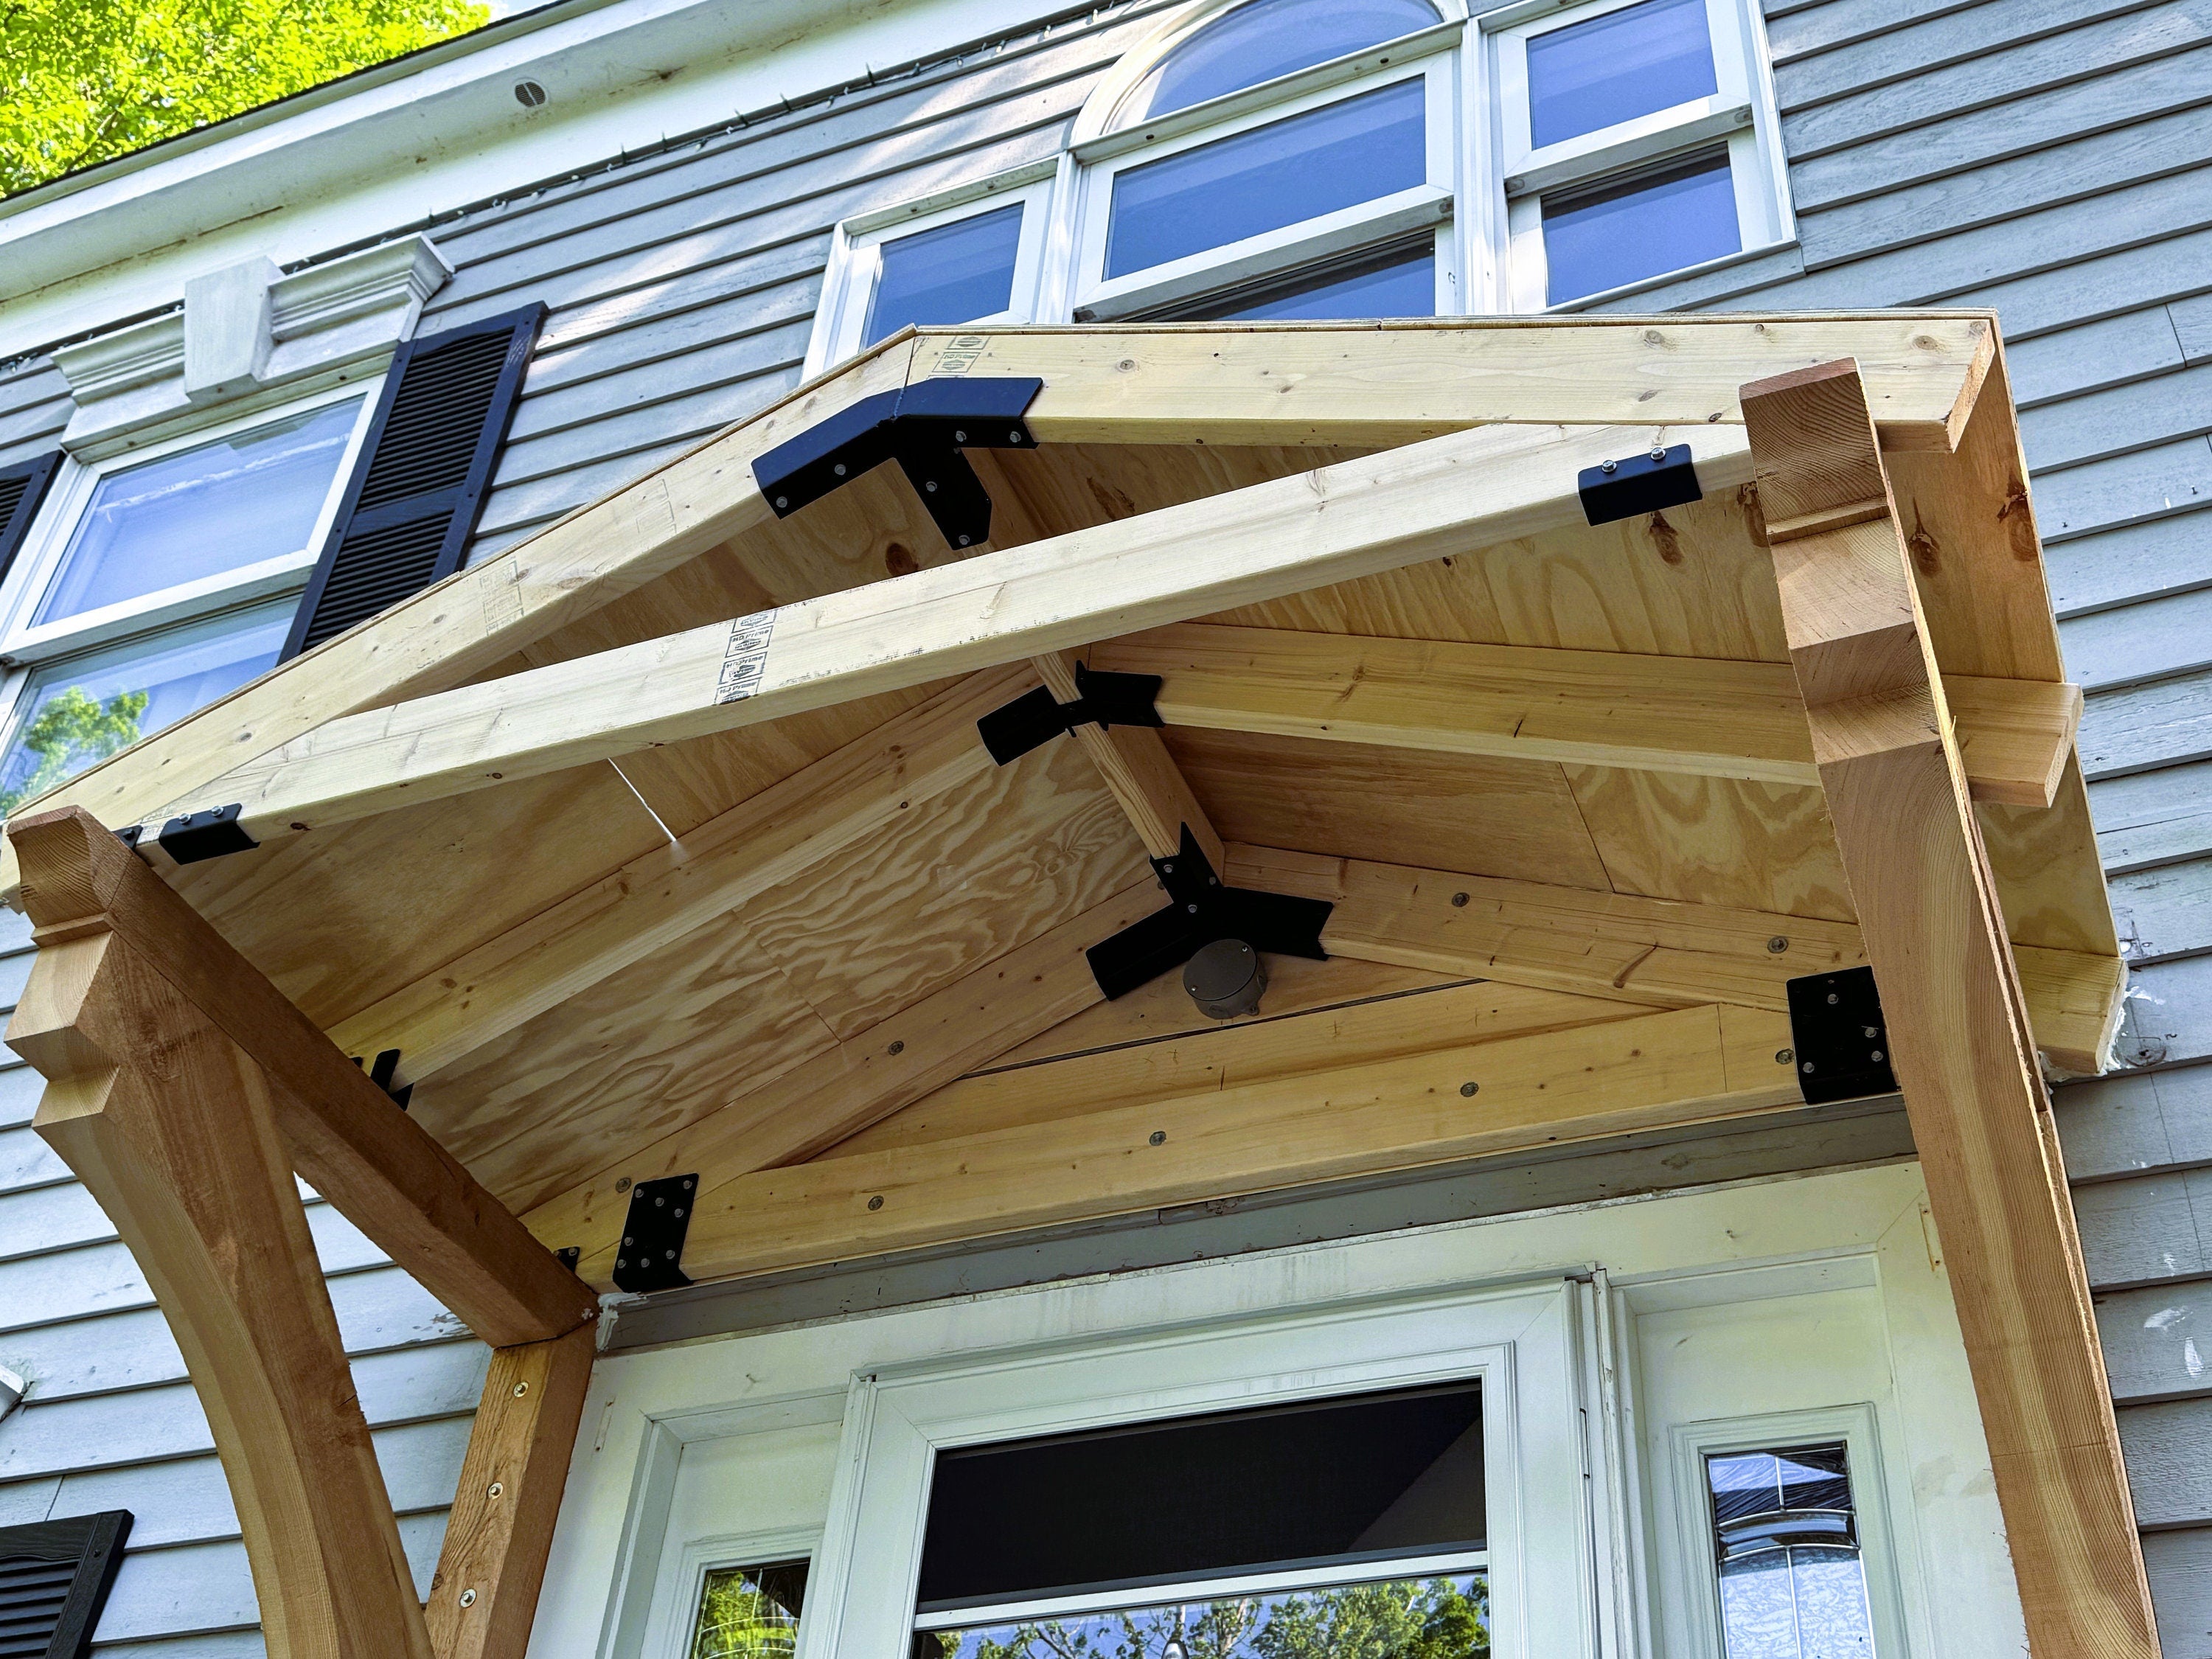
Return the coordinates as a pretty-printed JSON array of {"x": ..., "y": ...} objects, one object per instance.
[
  {"x": 1686, "y": 714},
  {"x": 1954, "y": 1011},
  {"x": 1270, "y": 540},
  {"x": 1651, "y": 1071},
  {"x": 1360, "y": 385},
  {"x": 1655, "y": 951},
  {"x": 380, "y": 1168}
]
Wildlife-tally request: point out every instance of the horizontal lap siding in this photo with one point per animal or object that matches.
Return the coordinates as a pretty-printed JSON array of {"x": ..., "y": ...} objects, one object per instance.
[{"x": 2053, "y": 159}]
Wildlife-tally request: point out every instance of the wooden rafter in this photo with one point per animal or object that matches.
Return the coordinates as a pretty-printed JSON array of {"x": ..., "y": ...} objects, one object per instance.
[
  {"x": 346, "y": 1136},
  {"x": 1272, "y": 539},
  {"x": 173, "y": 1126},
  {"x": 1954, "y": 1010},
  {"x": 1692, "y": 714}
]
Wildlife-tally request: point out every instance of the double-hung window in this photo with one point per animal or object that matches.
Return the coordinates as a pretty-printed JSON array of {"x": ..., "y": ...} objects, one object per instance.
[
  {"x": 1631, "y": 146},
  {"x": 158, "y": 579}
]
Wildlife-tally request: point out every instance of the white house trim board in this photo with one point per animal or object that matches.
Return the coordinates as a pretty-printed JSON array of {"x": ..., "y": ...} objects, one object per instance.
[{"x": 1845, "y": 1249}]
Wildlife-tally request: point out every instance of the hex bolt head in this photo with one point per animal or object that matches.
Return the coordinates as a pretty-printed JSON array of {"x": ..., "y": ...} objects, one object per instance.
[
  {"x": 1609, "y": 466},
  {"x": 1777, "y": 945},
  {"x": 958, "y": 436}
]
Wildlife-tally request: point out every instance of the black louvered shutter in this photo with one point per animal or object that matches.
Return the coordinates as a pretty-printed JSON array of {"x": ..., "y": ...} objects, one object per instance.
[
  {"x": 419, "y": 486},
  {"x": 54, "y": 1579},
  {"x": 23, "y": 487}
]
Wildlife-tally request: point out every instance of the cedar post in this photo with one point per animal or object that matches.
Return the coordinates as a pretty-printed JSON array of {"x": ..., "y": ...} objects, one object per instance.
[
  {"x": 1883, "y": 741},
  {"x": 171, "y": 1126}
]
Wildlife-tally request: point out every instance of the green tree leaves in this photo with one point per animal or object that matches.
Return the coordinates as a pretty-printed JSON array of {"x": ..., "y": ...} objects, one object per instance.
[
  {"x": 71, "y": 733},
  {"x": 84, "y": 80}
]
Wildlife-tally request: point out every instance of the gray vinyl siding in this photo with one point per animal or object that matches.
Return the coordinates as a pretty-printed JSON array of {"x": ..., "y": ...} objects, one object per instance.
[
  {"x": 2053, "y": 159},
  {"x": 2049, "y": 158}
]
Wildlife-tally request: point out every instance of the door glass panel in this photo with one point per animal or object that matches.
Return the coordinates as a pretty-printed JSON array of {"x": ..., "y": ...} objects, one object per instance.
[
  {"x": 219, "y": 507},
  {"x": 953, "y": 274},
  {"x": 1629, "y": 62},
  {"x": 1403, "y": 285},
  {"x": 750, "y": 1613},
  {"x": 1641, "y": 227},
  {"x": 82, "y": 710},
  {"x": 1446, "y": 1617},
  {"x": 1786, "y": 1535},
  {"x": 1336, "y": 156},
  {"x": 1268, "y": 38}
]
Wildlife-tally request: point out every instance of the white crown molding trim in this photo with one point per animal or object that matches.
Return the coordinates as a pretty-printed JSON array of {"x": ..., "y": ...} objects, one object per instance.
[{"x": 264, "y": 329}]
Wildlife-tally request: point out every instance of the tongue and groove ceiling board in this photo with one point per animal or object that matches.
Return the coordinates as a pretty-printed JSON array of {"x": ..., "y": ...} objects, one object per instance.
[{"x": 899, "y": 965}]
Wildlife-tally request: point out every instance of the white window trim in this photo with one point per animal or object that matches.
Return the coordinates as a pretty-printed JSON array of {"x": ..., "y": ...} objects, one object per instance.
[
  {"x": 1857, "y": 1426},
  {"x": 1521, "y": 1343},
  {"x": 1277, "y": 252},
  {"x": 75, "y": 482},
  {"x": 849, "y": 282},
  {"x": 1741, "y": 114}
]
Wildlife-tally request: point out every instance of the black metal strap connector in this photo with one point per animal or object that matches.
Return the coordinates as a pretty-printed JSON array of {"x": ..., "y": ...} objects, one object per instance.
[
  {"x": 385, "y": 1072},
  {"x": 1035, "y": 717},
  {"x": 1840, "y": 1040},
  {"x": 922, "y": 427},
  {"x": 1201, "y": 909},
  {"x": 653, "y": 1235},
  {"x": 208, "y": 834},
  {"x": 1613, "y": 491}
]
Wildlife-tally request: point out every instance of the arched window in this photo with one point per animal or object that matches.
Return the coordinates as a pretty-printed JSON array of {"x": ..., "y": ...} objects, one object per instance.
[{"x": 1323, "y": 159}]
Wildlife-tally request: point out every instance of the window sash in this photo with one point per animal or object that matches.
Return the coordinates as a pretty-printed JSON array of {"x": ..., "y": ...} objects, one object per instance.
[{"x": 1277, "y": 251}]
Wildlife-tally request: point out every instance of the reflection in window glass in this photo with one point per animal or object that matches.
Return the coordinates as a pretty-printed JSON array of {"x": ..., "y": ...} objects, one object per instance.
[
  {"x": 1441, "y": 1618},
  {"x": 1268, "y": 38},
  {"x": 1614, "y": 67},
  {"x": 1638, "y": 227},
  {"x": 219, "y": 507},
  {"x": 750, "y": 1613},
  {"x": 80, "y": 711},
  {"x": 953, "y": 274},
  {"x": 1786, "y": 1534},
  {"x": 1333, "y": 157},
  {"x": 1402, "y": 285}
]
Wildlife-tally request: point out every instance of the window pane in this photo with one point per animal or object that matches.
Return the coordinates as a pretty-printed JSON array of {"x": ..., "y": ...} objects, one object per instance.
[
  {"x": 1614, "y": 67},
  {"x": 84, "y": 709},
  {"x": 1370, "y": 1477},
  {"x": 1785, "y": 1532},
  {"x": 1405, "y": 285},
  {"x": 1646, "y": 226},
  {"x": 1269, "y": 37},
  {"x": 1405, "y": 1618},
  {"x": 953, "y": 274},
  {"x": 750, "y": 1613},
  {"x": 220, "y": 506},
  {"x": 1329, "y": 158}
]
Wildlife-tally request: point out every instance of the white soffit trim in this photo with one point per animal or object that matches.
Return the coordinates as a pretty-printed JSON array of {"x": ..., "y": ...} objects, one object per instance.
[
  {"x": 246, "y": 328},
  {"x": 397, "y": 145}
]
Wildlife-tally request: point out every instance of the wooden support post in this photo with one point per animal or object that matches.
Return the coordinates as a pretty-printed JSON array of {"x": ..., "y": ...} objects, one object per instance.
[
  {"x": 1958, "y": 1037},
  {"x": 346, "y": 1139},
  {"x": 485, "y": 1592},
  {"x": 172, "y": 1126}
]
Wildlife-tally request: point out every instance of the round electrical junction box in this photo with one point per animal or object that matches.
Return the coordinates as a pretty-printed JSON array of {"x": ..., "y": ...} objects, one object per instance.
[{"x": 1226, "y": 979}]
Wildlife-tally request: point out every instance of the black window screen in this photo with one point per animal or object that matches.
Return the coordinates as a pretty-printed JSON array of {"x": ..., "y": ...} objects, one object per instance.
[{"x": 1372, "y": 1476}]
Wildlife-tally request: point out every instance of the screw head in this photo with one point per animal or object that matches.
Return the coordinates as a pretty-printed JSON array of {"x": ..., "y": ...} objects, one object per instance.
[
  {"x": 839, "y": 468},
  {"x": 876, "y": 1202},
  {"x": 1777, "y": 945},
  {"x": 1784, "y": 1056},
  {"x": 1806, "y": 1067},
  {"x": 1876, "y": 1056},
  {"x": 964, "y": 540},
  {"x": 1470, "y": 1089},
  {"x": 958, "y": 436},
  {"x": 896, "y": 1048},
  {"x": 520, "y": 1389},
  {"x": 1609, "y": 466},
  {"x": 1833, "y": 999},
  {"x": 1013, "y": 437},
  {"x": 782, "y": 501},
  {"x": 1193, "y": 908},
  {"x": 468, "y": 1598},
  {"x": 1159, "y": 1137},
  {"x": 930, "y": 484},
  {"x": 1658, "y": 451},
  {"x": 494, "y": 1489},
  {"x": 1458, "y": 901},
  {"x": 622, "y": 1183}
]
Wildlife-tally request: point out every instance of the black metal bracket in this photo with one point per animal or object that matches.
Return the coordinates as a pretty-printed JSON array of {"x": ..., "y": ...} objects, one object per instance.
[
  {"x": 129, "y": 834},
  {"x": 1839, "y": 1037},
  {"x": 1035, "y": 717},
  {"x": 383, "y": 1071},
  {"x": 1201, "y": 909},
  {"x": 653, "y": 1235},
  {"x": 922, "y": 427},
  {"x": 208, "y": 834},
  {"x": 1613, "y": 491},
  {"x": 568, "y": 1256}
]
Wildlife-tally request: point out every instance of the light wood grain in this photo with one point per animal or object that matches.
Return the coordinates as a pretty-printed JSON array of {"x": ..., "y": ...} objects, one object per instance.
[
  {"x": 1956, "y": 1026},
  {"x": 501, "y": 1524},
  {"x": 346, "y": 1136},
  {"x": 1721, "y": 719},
  {"x": 172, "y": 1126}
]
